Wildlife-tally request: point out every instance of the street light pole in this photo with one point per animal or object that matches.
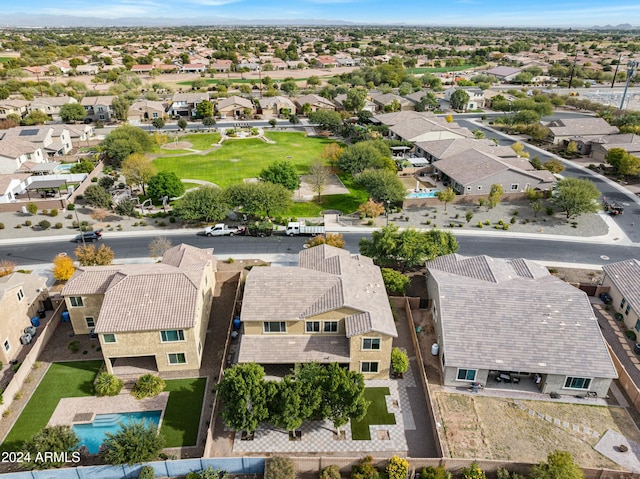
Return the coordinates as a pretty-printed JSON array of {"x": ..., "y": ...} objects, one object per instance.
[
  {"x": 387, "y": 211},
  {"x": 631, "y": 69}
]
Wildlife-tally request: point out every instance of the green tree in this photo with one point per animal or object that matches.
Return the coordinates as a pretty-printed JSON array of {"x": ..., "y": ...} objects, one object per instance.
[
  {"x": 623, "y": 162},
  {"x": 85, "y": 166},
  {"x": 446, "y": 196},
  {"x": 495, "y": 194},
  {"x": 120, "y": 106},
  {"x": 96, "y": 196},
  {"x": 89, "y": 255},
  {"x": 343, "y": 395},
  {"x": 554, "y": 166},
  {"x": 355, "y": 101},
  {"x": 126, "y": 207},
  {"x": 148, "y": 385},
  {"x": 262, "y": 200},
  {"x": 285, "y": 404},
  {"x": 329, "y": 120},
  {"x": 165, "y": 183},
  {"x": 243, "y": 395},
  {"x": 72, "y": 112},
  {"x": 459, "y": 100},
  {"x": 394, "y": 281},
  {"x": 209, "y": 122},
  {"x": 576, "y": 196},
  {"x": 518, "y": 148},
  {"x": 357, "y": 158},
  {"x": 559, "y": 465},
  {"x": 134, "y": 443},
  {"x": 138, "y": 169},
  {"x": 204, "y": 204},
  {"x": 4, "y": 93},
  {"x": 36, "y": 117},
  {"x": 124, "y": 141},
  {"x": 204, "y": 109},
  {"x": 382, "y": 185},
  {"x": 107, "y": 384},
  {"x": 182, "y": 124},
  {"x": 572, "y": 148},
  {"x": 50, "y": 439},
  {"x": 281, "y": 173},
  {"x": 158, "y": 123}
]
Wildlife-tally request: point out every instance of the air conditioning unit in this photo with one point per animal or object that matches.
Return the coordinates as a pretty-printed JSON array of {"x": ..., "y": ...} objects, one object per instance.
[
  {"x": 30, "y": 330},
  {"x": 25, "y": 339}
]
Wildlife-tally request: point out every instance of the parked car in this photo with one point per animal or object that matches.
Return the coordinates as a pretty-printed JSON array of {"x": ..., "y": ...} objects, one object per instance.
[
  {"x": 605, "y": 298},
  {"x": 88, "y": 237}
]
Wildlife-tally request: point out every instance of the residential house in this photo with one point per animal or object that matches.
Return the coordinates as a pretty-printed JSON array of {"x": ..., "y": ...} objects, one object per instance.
[
  {"x": 144, "y": 68},
  {"x": 494, "y": 316},
  {"x": 234, "y": 107},
  {"x": 15, "y": 151},
  {"x": 623, "y": 279},
  {"x": 476, "y": 97},
  {"x": 249, "y": 66},
  {"x": 315, "y": 102},
  {"x": 423, "y": 127},
  {"x": 78, "y": 132},
  {"x": 602, "y": 145},
  {"x": 368, "y": 104},
  {"x": 566, "y": 129},
  {"x": 13, "y": 107},
  {"x": 503, "y": 73},
  {"x": 11, "y": 185},
  {"x": 88, "y": 69},
  {"x": 391, "y": 102},
  {"x": 153, "y": 314},
  {"x": 295, "y": 64},
  {"x": 440, "y": 149},
  {"x": 54, "y": 141},
  {"x": 99, "y": 108},
  {"x": 50, "y": 105},
  {"x": 184, "y": 104},
  {"x": 346, "y": 62},
  {"x": 142, "y": 110},
  {"x": 20, "y": 296},
  {"x": 326, "y": 61},
  {"x": 192, "y": 68},
  {"x": 332, "y": 307},
  {"x": 472, "y": 172},
  {"x": 273, "y": 107},
  {"x": 221, "y": 66}
]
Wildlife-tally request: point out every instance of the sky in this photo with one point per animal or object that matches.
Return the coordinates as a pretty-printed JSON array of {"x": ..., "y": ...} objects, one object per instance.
[{"x": 507, "y": 13}]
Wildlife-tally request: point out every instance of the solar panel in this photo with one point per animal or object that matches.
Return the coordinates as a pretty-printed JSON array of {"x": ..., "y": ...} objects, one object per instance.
[{"x": 28, "y": 132}]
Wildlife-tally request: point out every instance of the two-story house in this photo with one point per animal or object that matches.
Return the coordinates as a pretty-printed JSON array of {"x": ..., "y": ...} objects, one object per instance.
[
  {"x": 54, "y": 140},
  {"x": 273, "y": 107},
  {"x": 19, "y": 301},
  {"x": 623, "y": 278},
  {"x": 476, "y": 97},
  {"x": 15, "y": 152},
  {"x": 184, "y": 104},
  {"x": 315, "y": 102},
  {"x": 333, "y": 307},
  {"x": 98, "y": 108},
  {"x": 147, "y": 314},
  {"x": 13, "y": 107},
  {"x": 50, "y": 105}
]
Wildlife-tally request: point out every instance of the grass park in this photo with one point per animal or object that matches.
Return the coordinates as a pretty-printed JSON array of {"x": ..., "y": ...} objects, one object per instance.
[
  {"x": 238, "y": 159},
  {"x": 75, "y": 379}
]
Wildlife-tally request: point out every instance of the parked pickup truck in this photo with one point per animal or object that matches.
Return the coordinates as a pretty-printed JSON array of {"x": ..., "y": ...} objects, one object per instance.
[
  {"x": 298, "y": 228},
  {"x": 221, "y": 230}
]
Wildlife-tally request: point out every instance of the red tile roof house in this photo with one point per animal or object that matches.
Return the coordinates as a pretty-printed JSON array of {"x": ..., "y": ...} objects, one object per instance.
[{"x": 153, "y": 315}]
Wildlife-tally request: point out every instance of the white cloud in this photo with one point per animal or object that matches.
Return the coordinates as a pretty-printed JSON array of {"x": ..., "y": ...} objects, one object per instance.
[{"x": 212, "y": 3}]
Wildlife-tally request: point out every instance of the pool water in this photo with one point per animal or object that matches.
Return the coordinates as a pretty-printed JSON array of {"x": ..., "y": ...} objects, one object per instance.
[
  {"x": 92, "y": 435},
  {"x": 423, "y": 194},
  {"x": 65, "y": 167}
]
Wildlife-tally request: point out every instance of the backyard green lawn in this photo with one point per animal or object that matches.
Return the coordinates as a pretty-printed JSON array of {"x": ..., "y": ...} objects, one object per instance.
[
  {"x": 201, "y": 141},
  {"x": 345, "y": 203},
  {"x": 62, "y": 380},
  {"x": 244, "y": 158},
  {"x": 182, "y": 415},
  {"x": 377, "y": 414}
]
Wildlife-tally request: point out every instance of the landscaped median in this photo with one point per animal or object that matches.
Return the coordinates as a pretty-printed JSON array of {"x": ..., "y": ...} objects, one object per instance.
[{"x": 180, "y": 422}]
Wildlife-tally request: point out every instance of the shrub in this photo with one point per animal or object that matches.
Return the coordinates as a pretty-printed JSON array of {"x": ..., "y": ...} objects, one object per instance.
[
  {"x": 45, "y": 212},
  {"x": 479, "y": 224},
  {"x": 44, "y": 224},
  {"x": 71, "y": 207},
  {"x": 16, "y": 367},
  {"x": 473, "y": 472},
  {"x": 549, "y": 211},
  {"x": 54, "y": 212},
  {"x": 330, "y": 472},
  {"x": 1, "y": 226},
  {"x": 32, "y": 208},
  {"x": 397, "y": 468},
  {"x": 505, "y": 227},
  {"x": 18, "y": 226},
  {"x": 487, "y": 222},
  {"x": 108, "y": 385},
  {"x": 280, "y": 468},
  {"x": 147, "y": 472},
  {"x": 148, "y": 386},
  {"x": 431, "y": 472},
  {"x": 58, "y": 226},
  {"x": 365, "y": 469},
  {"x": 399, "y": 361},
  {"x": 74, "y": 346},
  {"x": 172, "y": 219},
  {"x": 500, "y": 222},
  {"x": 631, "y": 335},
  {"x": 516, "y": 213},
  {"x": 513, "y": 220},
  {"x": 28, "y": 223}
]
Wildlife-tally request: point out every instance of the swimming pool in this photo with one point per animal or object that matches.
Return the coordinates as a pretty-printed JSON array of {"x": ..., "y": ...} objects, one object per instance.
[
  {"x": 423, "y": 194},
  {"x": 92, "y": 435},
  {"x": 65, "y": 167}
]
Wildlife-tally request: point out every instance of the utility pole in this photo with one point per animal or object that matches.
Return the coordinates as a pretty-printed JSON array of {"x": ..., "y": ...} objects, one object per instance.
[
  {"x": 573, "y": 67},
  {"x": 631, "y": 70},
  {"x": 615, "y": 74}
]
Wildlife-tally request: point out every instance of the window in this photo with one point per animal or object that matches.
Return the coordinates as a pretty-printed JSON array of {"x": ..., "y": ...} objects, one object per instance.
[
  {"x": 312, "y": 326},
  {"x": 199, "y": 348},
  {"x": 466, "y": 374},
  {"x": 627, "y": 309},
  {"x": 172, "y": 335},
  {"x": 154, "y": 115},
  {"x": 514, "y": 187},
  {"x": 90, "y": 322},
  {"x": 637, "y": 327},
  {"x": 369, "y": 367},
  {"x": 177, "y": 358},
  {"x": 275, "y": 327},
  {"x": 577, "y": 383},
  {"x": 6, "y": 345},
  {"x": 109, "y": 338},
  {"x": 76, "y": 301},
  {"x": 20, "y": 294},
  {"x": 370, "y": 343},
  {"x": 331, "y": 326},
  {"x": 622, "y": 303}
]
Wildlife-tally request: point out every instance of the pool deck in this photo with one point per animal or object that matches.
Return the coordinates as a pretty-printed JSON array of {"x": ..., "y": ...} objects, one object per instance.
[{"x": 70, "y": 410}]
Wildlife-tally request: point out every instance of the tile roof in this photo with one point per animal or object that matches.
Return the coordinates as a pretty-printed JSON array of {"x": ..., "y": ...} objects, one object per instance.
[
  {"x": 145, "y": 297},
  {"x": 327, "y": 279},
  {"x": 410, "y": 129},
  {"x": 391, "y": 119},
  {"x": 97, "y": 100},
  {"x": 287, "y": 349},
  {"x": 233, "y": 101},
  {"x": 513, "y": 315},
  {"x": 625, "y": 275},
  {"x": 442, "y": 149},
  {"x": 15, "y": 147},
  {"x": 581, "y": 127},
  {"x": 314, "y": 99}
]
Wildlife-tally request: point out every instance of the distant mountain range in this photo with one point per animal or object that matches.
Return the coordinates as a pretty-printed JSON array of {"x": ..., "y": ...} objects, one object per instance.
[{"x": 28, "y": 20}]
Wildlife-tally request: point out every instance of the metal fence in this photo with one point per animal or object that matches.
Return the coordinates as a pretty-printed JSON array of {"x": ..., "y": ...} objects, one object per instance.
[{"x": 232, "y": 465}]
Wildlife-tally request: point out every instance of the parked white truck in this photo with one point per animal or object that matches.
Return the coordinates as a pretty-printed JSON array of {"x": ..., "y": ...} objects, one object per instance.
[
  {"x": 221, "y": 230},
  {"x": 298, "y": 228}
]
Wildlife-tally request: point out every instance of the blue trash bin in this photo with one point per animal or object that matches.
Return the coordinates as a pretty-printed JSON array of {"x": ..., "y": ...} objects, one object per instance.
[
  {"x": 35, "y": 321},
  {"x": 65, "y": 316}
]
